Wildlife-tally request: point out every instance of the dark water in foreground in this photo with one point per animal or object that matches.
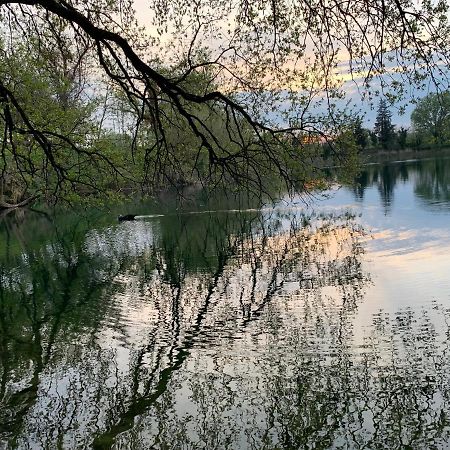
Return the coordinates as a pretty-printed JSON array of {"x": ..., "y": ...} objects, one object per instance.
[{"x": 284, "y": 328}]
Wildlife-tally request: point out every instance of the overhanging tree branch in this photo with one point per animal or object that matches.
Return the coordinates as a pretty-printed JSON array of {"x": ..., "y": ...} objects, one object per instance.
[{"x": 258, "y": 65}]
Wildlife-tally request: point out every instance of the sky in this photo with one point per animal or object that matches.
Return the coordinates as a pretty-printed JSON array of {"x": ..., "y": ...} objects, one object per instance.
[{"x": 401, "y": 112}]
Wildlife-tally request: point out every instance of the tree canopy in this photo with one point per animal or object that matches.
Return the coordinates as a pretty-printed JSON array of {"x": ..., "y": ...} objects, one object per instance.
[
  {"x": 431, "y": 118},
  {"x": 384, "y": 129},
  {"x": 217, "y": 92}
]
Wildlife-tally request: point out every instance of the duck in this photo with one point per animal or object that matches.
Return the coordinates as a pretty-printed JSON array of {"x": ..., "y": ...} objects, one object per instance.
[{"x": 126, "y": 217}]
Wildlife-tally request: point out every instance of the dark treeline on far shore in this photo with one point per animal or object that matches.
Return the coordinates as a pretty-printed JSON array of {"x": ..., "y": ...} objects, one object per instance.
[{"x": 430, "y": 127}]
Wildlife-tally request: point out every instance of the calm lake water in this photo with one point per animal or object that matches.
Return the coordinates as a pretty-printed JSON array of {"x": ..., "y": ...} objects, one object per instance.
[{"x": 283, "y": 328}]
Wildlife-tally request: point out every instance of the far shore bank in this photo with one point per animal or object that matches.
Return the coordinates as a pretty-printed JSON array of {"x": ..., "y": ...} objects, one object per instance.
[{"x": 381, "y": 156}]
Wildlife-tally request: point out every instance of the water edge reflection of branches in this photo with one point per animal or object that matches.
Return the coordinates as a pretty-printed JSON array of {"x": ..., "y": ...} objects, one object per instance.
[{"x": 213, "y": 330}]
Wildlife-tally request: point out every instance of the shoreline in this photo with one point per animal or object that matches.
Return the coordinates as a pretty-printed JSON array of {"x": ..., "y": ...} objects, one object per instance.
[{"x": 385, "y": 156}]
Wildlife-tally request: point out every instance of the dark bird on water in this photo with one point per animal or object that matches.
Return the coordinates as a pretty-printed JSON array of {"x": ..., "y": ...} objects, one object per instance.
[{"x": 127, "y": 217}]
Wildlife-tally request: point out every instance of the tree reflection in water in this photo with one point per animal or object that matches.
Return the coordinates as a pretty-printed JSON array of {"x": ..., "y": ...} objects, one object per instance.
[
  {"x": 217, "y": 330},
  {"x": 430, "y": 177}
]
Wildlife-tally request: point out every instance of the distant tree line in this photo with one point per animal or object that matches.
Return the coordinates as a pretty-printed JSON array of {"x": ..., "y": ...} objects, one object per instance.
[{"x": 430, "y": 127}]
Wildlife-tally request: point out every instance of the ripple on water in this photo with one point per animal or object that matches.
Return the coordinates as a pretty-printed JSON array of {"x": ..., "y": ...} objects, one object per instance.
[{"x": 240, "y": 331}]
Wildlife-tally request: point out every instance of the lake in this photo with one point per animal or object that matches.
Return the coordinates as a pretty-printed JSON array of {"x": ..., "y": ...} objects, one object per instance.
[{"x": 291, "y": 326}]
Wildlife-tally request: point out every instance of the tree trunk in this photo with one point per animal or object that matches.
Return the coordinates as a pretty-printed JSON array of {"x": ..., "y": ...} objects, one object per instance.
[{"x": 27, "y": 201}]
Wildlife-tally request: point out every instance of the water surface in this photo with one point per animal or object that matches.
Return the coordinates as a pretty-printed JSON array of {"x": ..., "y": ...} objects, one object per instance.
[{"x": 281, "y": 328}]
